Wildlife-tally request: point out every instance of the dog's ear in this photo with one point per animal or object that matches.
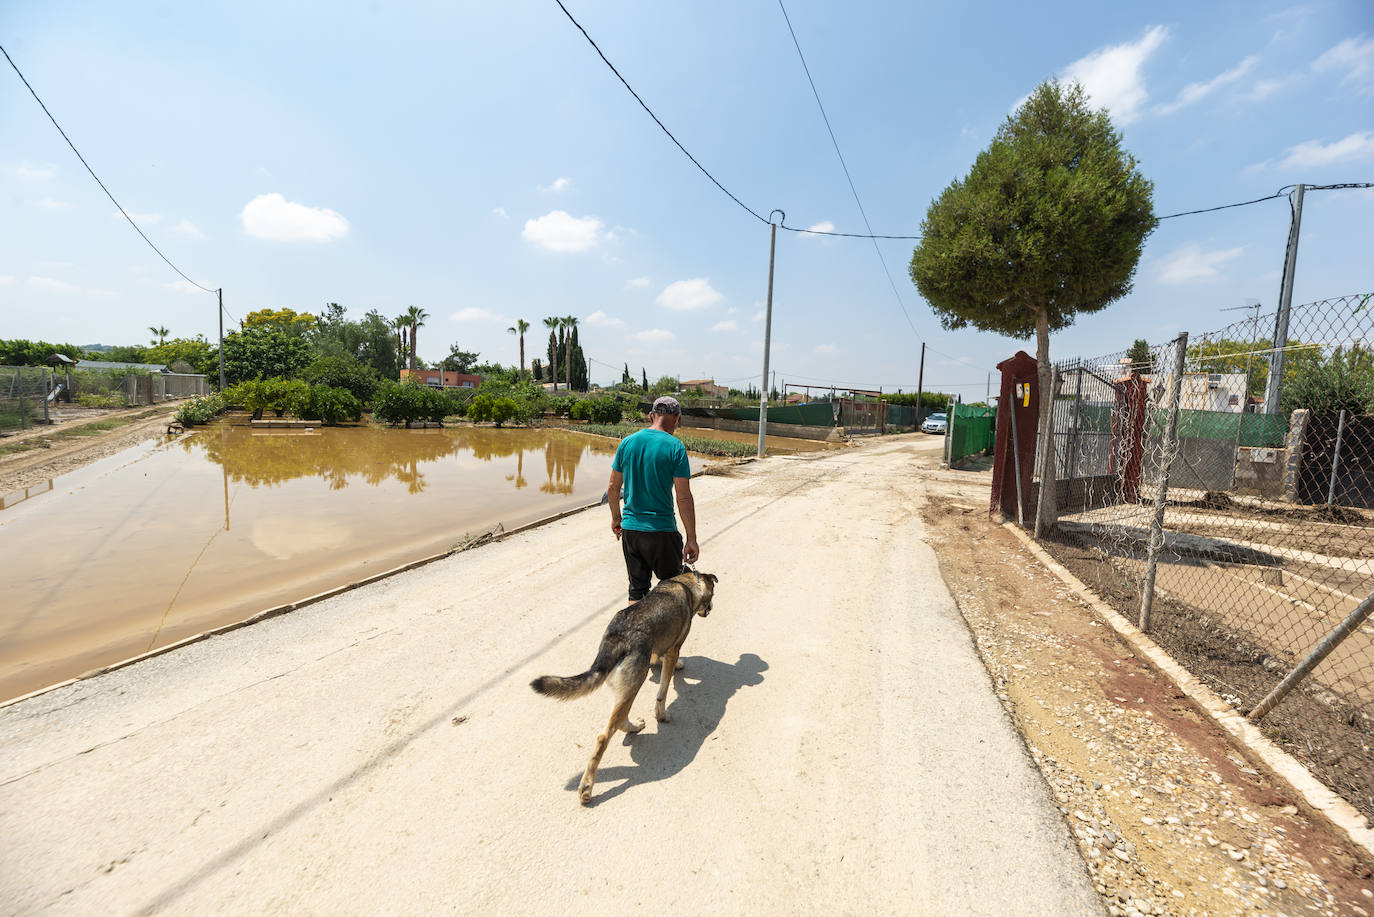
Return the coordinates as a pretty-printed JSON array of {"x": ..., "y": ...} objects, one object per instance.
[{"x": 712, "y": 577}]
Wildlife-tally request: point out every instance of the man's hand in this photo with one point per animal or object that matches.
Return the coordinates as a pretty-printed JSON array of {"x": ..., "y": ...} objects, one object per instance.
[
  {"x": 691, "y": 551},
  {"x": 615, "y": 529}
]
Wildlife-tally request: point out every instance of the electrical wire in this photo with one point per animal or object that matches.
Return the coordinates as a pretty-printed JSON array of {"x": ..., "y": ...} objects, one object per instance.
[
  {"x": 847, "y": 176},
  {"x": 642, "y": 104},
  {"x": 96, "y": 177}
]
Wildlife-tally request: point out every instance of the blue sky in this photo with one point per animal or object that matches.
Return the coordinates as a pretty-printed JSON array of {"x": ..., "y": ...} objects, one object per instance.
[{"x": 480, "y": 161}]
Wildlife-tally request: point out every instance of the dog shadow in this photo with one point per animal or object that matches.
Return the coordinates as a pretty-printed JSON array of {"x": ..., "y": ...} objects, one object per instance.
[{"x": 699, "y": 695}]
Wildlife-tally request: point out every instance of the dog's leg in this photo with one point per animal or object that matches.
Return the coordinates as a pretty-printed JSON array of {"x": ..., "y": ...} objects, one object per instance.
[
  {"x": 626, "y": 680},
  {"x": 665, "y": 676},
  {"x": 653, "y": 660}
]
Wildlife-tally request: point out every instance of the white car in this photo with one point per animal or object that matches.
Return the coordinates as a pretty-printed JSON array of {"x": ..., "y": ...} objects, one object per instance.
[{"x": 935, "y": 423}]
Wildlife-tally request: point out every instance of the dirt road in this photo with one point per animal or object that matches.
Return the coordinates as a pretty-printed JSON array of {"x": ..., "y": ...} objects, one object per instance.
[{"x": 835, "y": 744}]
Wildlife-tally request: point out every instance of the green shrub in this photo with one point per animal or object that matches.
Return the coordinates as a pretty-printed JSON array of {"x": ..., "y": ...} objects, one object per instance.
[
  {"x": 407, "y": 402},
  {"x": 605, "y": 410},
  {"x": 459, "y": 399},
  {"x": 581, "y": 410},
  {"x": 563, "y": 406},
  {"x": 199, "y": 410},
  {"x": 503, "y": 409},
  {"x": 1343, "y": 381},
  {"x": 330, "y": 405},
  {"x": 359, "y": 379}
]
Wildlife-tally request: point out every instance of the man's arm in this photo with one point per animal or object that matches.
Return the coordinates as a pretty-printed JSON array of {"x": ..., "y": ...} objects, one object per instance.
[
  {"x": 687, "y": 508},
  {"x": 613, "y": 497}
]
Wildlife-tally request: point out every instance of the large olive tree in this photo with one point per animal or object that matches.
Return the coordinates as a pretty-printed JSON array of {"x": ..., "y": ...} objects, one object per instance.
[{"x": 1049, "y": 222}]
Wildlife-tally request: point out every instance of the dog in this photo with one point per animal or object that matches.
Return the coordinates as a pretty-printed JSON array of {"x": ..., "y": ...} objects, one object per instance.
[{"x": 651, "y": 630}]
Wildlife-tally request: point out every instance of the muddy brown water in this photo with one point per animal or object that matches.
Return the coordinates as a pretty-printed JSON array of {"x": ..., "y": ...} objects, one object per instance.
[{"x": 181, "y": 535}]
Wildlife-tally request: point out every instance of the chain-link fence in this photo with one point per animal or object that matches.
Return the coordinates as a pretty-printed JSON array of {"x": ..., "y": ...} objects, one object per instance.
[
  {"x": 1219, "y": 489},
  {"x": 23, "y": 397}
]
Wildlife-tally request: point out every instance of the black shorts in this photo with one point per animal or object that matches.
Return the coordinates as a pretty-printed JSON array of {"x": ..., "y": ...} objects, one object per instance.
[{"x": 656, "y": 553}]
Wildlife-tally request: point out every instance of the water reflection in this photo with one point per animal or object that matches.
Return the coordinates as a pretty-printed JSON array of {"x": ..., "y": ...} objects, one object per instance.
[
  {"x": 261, "y": 458},
  {"x": 164, "y": 541}
]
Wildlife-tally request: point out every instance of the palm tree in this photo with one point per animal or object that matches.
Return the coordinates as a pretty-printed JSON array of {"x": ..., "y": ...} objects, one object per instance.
[
  {"x": 569, "y": 322},
  {"x": 519, "y": 328},
  {"x": 159, "y": 332},
  {"x": 553, "y": 323},
  {"x": 401, "y": 323},
  {"x": 416, "y": 316}
]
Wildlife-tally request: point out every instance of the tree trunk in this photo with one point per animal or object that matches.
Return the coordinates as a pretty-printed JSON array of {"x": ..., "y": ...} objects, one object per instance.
[
  {"x": 413, "y": 329},
  {"x": 1048, "y": 511},
  {"x": 522, "y": 356}
]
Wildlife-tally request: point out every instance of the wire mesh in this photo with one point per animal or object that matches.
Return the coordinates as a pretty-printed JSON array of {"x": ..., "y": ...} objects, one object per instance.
[
  {"x": 1262, "y": 521},
  {"x": 23, "y": 397}
]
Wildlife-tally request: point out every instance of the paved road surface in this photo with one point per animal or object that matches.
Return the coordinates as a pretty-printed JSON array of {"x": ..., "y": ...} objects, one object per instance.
[{"x": 835, "y": 746}]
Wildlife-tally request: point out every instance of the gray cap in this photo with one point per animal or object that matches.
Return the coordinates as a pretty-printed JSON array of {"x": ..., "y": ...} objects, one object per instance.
[{"x": 667, "y": 405}]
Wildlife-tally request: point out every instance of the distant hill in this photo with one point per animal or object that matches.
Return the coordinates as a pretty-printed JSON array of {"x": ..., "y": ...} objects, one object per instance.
[{"x": 97, "y": 348}]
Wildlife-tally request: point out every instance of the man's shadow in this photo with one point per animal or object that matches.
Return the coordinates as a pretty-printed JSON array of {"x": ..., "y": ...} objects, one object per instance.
[{"x": 700, "y": 692}]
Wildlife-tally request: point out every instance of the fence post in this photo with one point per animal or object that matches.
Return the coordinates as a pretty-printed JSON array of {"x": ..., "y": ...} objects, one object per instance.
[
  {"x": 1046, "y": 454},
  {"x": 47, "y": 417},
  {"x": 23, "y": 418},
  {"x": 1072, "y": 457},
  {"x": 1162, "y": 494},
  {"x": 1336, "y": 459},
  {"x": 1329, "y": 643}
]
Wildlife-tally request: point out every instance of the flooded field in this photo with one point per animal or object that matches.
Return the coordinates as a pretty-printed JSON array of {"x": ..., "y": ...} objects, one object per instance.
[{"x": 178, "y": 536}]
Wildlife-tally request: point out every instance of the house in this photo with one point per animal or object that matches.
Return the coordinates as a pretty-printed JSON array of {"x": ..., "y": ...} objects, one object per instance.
[
  {"x": 104, "y": 365},
  {"x": 442, "y": 378},
  {"x": 705, "y": 387}
]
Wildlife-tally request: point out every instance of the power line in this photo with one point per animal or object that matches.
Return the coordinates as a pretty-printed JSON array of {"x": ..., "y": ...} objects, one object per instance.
[
  {"x": 96, "y": 177},
  {"x": 845, "y": 167},
  {"x": 846, "y": 235},
  {"x": 626, "y": 84},
  {"x": 1282, "y": 192}
]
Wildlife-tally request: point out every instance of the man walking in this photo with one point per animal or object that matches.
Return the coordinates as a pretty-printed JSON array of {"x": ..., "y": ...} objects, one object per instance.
[{"x": 652, "y": 466}]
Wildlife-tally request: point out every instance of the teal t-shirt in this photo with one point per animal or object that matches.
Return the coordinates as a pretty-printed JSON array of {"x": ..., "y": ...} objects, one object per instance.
[{"x": 649, "y": 460}]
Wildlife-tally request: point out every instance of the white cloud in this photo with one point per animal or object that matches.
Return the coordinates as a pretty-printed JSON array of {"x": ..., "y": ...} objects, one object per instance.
[
  {"x": 49, "y": 204},
  {"x": 559, "y": 232},
  {"x": 35, "y": 173},
  {"x": 183, "y": 286},
  {"x": 47, "y": 283},
  {"x": 559, "y": 184},
  {"x": 601, "y": 320},
  {"x": 1315, "y": 153},
  {"x": 822, "y": 226},
  {"x": 501, "y": 212},
  {"x": 6, "y": 279},
  {"x": 684, "y": 295},
  {"x": 1112, "y": 77},
  {"x": 1189, "y": 263},
  {"x": 824, "y": 349},
  {"x": 475, "y": 314},
  {"x": 187, "y": 228},
  {"x": 1196, "y": 92},
  {"x": 760, "y": 315},
  {"x": 1355, "y": 57},
  {"x": 654, "y": 335},
  {"x": 1264, "y": 89},
  {"x": 273, "y": 217},
  {"x": 728, "y": 325},
  {"x": 637, "y": 283}
]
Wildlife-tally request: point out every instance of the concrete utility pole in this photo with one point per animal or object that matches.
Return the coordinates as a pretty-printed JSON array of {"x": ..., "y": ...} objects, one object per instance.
[
  {"x": 220, "y": 291},
  {"x": 1274, "y": 386},
  {"x": 767, "y": 335},
  {"x": 920, "y": 382}
]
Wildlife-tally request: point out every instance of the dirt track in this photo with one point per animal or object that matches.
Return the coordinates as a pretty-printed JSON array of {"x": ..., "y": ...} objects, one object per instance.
[{"x": 836, "y": 745}]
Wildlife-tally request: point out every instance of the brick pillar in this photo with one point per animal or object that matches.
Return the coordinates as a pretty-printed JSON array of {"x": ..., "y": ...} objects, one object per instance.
[
  {"x": 1019, "y": 393},
  {"x": 1128, "y": 436}
]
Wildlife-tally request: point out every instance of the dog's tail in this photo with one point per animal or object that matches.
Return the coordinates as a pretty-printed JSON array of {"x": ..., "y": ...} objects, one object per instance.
[{"x": 561, "y": 688}]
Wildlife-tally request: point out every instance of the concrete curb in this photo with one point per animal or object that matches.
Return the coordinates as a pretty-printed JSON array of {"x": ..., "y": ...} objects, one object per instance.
[{"x": 1247, "y": 738}]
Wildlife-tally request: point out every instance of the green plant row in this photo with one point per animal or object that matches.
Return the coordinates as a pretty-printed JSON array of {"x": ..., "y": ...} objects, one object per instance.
[{"x": 699, "y": 444}]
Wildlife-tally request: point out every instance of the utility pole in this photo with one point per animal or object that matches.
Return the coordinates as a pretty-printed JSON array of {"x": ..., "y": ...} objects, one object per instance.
[
  {"x": 1274, "y": 386},
  {"x": 220, "y": 291},
  {"x": 767, "y": 334},
  {"x": 920, "y": 382}
]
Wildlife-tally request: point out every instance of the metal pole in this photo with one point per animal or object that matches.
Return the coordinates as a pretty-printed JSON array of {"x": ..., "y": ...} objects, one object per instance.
[
  {"x": 23, "y": 417},
  {"x": 1274, "y": 385},
  {"x": 47, "y": 418},
  {"x": 1162, "y": 495},
  {"x": 1336, "y": 460},
  {"x": 920, "y": 387},
  {"x": 1329, "y": 643},
  {"x": 767, "y": 338},
  {"x": 220, "y": 291},
  {"x": 1046, "y": 451}
]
